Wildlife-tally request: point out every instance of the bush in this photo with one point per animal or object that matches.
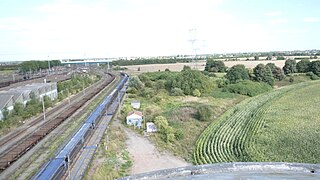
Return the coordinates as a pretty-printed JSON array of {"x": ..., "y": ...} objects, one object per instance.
[
  {"x": 132, "y": 90},
  {"x": 314, "y": 77},
  {"x": 196, "y": 93},
  {"x": 204, "y": 113},
  {"x": 248, "y": 88},
  {"x": 179, "y": 134}
]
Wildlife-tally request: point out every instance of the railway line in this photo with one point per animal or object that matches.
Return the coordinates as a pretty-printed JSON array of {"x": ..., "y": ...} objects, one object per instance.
[
  {"x": 15, "y": 144},
  {"x": 86, "y": 138}
]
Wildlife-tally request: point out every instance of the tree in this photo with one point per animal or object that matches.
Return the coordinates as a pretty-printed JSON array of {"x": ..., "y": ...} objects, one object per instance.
[
  {"x": 161, "y": 123},
  {"x": 136, "y": 83},
  {"x": 315, "y": 67},
  {"x": 290, "y": 67},
  {"x": 190, "y": 80},
  {"x": 256, "y": 58},
  {"x": 237, "y": 73},
  {"x": 276, "y": 71},
  {"x": 164, "y": 128},
  {"x": 185, "y": 68},
  {"x": 215, "y": 66},
  {"x": 303, "y": 66},
  {"x": 263, "y": 73}
]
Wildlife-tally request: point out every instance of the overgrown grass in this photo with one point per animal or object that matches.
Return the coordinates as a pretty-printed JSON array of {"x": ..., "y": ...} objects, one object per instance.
[
  {"x": 114, "y": 161},
  {"x": 181, "y": 113},
  {"x": 297, "y": 78}
]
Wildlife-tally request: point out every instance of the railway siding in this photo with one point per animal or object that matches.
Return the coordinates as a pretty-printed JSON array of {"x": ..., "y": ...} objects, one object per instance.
[{"x": 11, "y": 172}]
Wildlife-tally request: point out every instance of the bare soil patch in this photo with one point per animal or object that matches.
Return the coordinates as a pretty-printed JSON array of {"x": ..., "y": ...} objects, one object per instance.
[{"x": 146, "y": 157}]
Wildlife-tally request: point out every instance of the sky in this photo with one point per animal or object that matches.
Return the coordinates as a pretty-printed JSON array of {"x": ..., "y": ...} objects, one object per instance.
[{"x": 61, "y": 29}]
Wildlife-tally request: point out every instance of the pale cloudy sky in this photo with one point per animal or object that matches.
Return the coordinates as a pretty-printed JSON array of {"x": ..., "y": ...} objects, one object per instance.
[{"x": 36, "y": 29}]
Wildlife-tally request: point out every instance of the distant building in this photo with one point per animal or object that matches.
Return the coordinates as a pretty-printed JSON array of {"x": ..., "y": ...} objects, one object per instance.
[
  {"x": 135, "y": 104},
  {"x": 22, "y": 94},
  {"x": 135, "y": 118},
  {"x": 6, "y": 103},
  {"x": 151, "y": 127}
]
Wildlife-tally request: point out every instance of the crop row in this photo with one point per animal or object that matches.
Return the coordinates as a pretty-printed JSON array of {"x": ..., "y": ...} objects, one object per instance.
[{"x": 227, "y": 139}]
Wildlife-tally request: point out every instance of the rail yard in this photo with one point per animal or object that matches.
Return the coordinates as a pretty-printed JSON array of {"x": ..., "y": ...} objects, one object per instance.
[{"x": 15, "y": 145}]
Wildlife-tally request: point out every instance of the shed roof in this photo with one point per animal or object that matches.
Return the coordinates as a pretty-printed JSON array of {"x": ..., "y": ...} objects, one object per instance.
[
  {"x": 135, "y": 101},
  {"x": 139, "y": 113},
  {"x": 5, "y": 98}
]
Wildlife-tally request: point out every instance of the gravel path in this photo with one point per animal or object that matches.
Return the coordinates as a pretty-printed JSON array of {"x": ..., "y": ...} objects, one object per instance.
[{"x": 146, "y": 157}]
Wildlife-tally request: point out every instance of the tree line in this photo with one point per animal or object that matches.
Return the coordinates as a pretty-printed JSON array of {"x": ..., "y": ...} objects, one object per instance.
[{"x": 34, "y": 66}]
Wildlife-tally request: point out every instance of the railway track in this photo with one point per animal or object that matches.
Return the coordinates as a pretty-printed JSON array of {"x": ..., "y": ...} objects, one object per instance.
[{"x": 19, "y": 142}]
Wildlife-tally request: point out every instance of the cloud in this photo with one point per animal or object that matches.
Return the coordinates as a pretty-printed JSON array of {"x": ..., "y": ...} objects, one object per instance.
[
  {"x": 279, "y": 21},
  {"x": 273, "y": 13},
  {"x": 311, "y": 19}
]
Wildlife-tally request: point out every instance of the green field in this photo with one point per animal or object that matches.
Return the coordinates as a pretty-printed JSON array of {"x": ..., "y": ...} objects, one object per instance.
[{"x": 282, "y": 125}]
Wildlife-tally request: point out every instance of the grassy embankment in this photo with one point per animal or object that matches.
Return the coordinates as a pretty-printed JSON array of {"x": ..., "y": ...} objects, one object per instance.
[
  {"x": 181, "y": 113},
  {"x": 281, "y": 125}
]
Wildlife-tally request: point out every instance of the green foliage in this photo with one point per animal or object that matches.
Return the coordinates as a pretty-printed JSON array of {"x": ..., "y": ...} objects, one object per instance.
[
  {"x": 47, "y": 102},
  {"x": 196, "y": 93},
  {"x": 248, "y": 88},
  {"x": 315, "y": 67},
  {"x": 164, "y": 128},
  {"x": 277, "y": 72},
  {"x": 290, "y": 67},
  {"x": 135, "y": 82},
  {"x": 280, "y": 58},
  {"x": 222, "y": 82},
  {"x": 18, "y": 109},
  {"x": 256, "y": 58},
  {"x": 263, "y": 73},
  {"x": 303, "y": 66},
  {"x": 190, "y": 80},
  {"x": 237, "y": 73},
  {"x": 314, "y": 77},
  {"x": 27, "y": 66},
  {"x": 204, "y": 113},
  {"x": 5, "y": 113},
  {"x": 161, "y": 123},
  {"x": 215, "y": 66},
  {"x": 176, "y": 92},
  {"x": 185, "y": 68}
]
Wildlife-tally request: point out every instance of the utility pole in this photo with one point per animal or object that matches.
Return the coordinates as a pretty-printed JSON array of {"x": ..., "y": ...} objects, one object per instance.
[
  {"x": 48, "y": 65},
  {"x": 68, "y": 96},
  {"x": 43, "y": 109}
]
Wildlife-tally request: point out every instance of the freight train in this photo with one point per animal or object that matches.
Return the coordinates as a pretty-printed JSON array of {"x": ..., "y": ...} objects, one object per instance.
[{"x": 57, "y": 167}]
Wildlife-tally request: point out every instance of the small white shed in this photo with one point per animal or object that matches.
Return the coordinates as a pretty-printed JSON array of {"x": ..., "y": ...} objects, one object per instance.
[
  {"x": 135, "y": 104},
  {"x": 151, "y": 127},
  {"x": 135, "y": 118}
]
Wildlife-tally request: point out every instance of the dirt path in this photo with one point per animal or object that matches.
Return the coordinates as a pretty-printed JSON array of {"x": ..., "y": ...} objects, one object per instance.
[{"x": 146, "y": 157}]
